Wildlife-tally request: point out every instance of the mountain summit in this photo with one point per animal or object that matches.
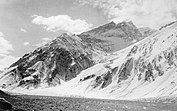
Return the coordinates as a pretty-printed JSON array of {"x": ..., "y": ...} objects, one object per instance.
[
  {"x": 52, "y": 64},
  {"x": 124, "y": 29},
  {"x": 117, "y": 36}
]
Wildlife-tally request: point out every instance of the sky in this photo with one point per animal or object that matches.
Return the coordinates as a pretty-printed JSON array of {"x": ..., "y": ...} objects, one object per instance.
[{"x": 28, "y": 24}]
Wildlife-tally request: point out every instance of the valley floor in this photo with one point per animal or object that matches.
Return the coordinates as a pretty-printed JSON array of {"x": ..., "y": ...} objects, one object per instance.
[{"x": 46, "y": 103}]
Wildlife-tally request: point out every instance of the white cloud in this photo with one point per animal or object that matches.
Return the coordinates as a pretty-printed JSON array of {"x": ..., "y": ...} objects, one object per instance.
[
  {"x": 152, "y": 13},
  {"x": 1, "y": 34},
  {"x": 62, "y": 22},
  {"x": 26, "y": 43},
  {"x": 6, "y": 61},
  {"x": 5, "y": 49},
  {"x": 23, "y": 30},
  {"x": 45, "y": 39},
  {"x": 5, "y": 46},
  {"x": 43, "y": 42}
]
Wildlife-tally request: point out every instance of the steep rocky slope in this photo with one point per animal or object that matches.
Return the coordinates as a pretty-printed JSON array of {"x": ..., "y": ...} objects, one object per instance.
[
  {"x": 145, "y": 69},
  {"x": 52, "y": 64},
  {"x": 146, "y": 31},
  {"x": 115, "y": 36}
]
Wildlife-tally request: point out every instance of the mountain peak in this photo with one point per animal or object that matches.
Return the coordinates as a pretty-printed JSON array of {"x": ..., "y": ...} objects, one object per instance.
[
  {"x": 52, "y": 64},
  {"x": 112, "y": 23},
  {"x": 125, "y": 30},
  {"x": 64, "y": 35}
]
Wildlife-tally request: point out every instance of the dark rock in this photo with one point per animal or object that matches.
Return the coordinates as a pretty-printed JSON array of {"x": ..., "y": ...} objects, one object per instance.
[
  {"x": 114, "y": 70},
  {"x": 133, "y": 50},
  {"x": 5, "y": 105},
  {"x": 125, "y": 70},
  {"x": 97, "y": 81},
  {"x": 126, "y": 31},
  {"x": 169, "y": 58},
  {"x": 146, "y": 31},
  {"x": 167, "y": 25},
  {"x": 88, "y": 77},
  {"x": 3, "y": 94},
  {"x": 148, "y": 75},
  {"x": 107, "y": 79},
  {"x": 139, "y": 76}
]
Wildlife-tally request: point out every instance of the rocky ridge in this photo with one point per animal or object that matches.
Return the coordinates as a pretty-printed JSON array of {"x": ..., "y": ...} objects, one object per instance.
[
  {"x": 52, "y": 64},
  {"x": 116, "y": 36}
]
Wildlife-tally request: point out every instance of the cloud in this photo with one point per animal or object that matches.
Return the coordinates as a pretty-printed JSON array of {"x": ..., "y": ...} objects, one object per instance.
[
  {"x": 1, "y": 34},
  {"x": 26, "y": 43},
  {"x": 6, "y": 61},
  {"x": 5, "y": 49},
  {"x": 151, "y": 13},
  {"x": 62, "y": 22},
  {"x": 43, "y": 42},
  {"x": 23, "y": 30},
  {"x": 5, "y": 46},
  {"x": 45, "y": 39}
]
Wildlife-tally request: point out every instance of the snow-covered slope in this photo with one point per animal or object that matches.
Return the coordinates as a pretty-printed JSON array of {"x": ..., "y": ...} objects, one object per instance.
[{"x": 145, "y": 69}]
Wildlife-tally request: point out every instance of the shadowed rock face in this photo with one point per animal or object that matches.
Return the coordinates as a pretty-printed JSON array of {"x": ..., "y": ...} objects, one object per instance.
[
  {"x": 125, "y": 70},
  {"x": 104, "y": 80},
  {"x": 113, "y": 37},
  {"x": 2, "y": 93},
  {"x": 60, "y": 60},
  {"x": 146, "y": 31},
  {"x": 4, "y": 105},
  {"x": 88, "y": 77},
  {"x": 123, "y": 29}
]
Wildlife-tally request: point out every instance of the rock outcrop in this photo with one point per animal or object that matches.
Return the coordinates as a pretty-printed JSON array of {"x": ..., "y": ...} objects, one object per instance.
[
  {"x": 114, "y": 37},
  {"x": 146, "y": 31},
  {"x": 3, "y": 94},
  {"x": 52, "y": 64},
  {"x": 5, "y": 105}
]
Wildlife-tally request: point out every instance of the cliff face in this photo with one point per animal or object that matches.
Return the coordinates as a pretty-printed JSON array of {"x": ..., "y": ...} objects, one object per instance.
[
  {"x": 58, "y": 61},
  {"x": 146, "y": 31},
  {"x": 114, "y": 37},
  {"x": 123, "y": 29}
]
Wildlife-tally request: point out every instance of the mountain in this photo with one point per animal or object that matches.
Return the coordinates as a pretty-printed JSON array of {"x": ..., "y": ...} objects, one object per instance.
[
  {"x": 116, "y": 36},
  {"x": 146, "y": 31},
  {"x": 68, "y": 55},
  {"x": 52, "y": 64},
  {"x": 142, "y": 70}
]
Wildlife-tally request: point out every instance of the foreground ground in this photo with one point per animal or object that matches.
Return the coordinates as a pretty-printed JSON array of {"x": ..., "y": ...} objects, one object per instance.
[{"x": 44, "y": 103}]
